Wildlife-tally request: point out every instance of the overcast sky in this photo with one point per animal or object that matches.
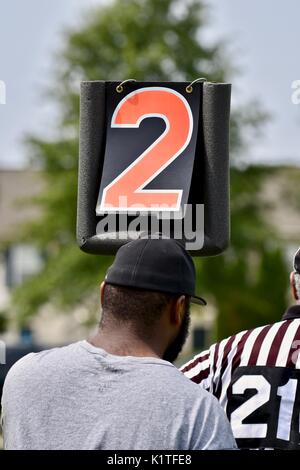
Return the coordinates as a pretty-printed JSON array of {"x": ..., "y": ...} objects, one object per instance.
[{"x": 264, "y": 38}]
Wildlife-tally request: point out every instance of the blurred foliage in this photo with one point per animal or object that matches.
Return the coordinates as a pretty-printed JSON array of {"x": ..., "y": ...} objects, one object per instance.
[
  {"x": 249, "y": 282},
  {"x": 148, "y": 40}
]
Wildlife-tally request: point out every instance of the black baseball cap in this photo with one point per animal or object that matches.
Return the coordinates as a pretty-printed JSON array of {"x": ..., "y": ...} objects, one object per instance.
[
  {"x": 297, "y": 261},
  {"x": 161, "y": 265}
]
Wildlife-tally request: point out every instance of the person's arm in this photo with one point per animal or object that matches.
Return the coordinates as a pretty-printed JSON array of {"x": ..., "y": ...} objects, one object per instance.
[
  {"x": 200, "y": 369},
  {"x": 208, "y": 367}
]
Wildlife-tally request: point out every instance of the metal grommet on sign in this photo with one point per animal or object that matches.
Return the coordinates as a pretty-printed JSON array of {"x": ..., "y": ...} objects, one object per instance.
[
  {"x": 120, "y": 88},
  {"x": 189, "y": 88}
]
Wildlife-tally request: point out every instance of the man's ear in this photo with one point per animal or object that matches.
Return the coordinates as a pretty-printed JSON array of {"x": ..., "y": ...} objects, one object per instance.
[
  {"x": 102, "y": 287},
  {"x": 177, "y": 310},
  {"x": 293, "y": 286}
]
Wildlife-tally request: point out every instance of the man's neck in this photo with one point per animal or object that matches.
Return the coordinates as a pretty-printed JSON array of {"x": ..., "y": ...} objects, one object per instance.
[
  {"x": 292, "y": 312},
  {"x": 122, "y": 343}
]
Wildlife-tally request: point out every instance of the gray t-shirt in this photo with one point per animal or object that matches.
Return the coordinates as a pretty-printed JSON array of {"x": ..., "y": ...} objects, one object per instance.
[{"x": 80, "y": 397}]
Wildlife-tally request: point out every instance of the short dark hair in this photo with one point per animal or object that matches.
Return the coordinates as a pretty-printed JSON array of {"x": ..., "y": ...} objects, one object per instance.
[
  {"x": 137, "y": 307},
  {"x": 297, "y": 283}
]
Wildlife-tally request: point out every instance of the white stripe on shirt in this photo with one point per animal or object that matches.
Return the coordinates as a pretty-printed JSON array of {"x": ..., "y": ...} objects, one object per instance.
[
  {"x": 222, "y": 345},
  {"x": 267, "y": 344},
  {"x": 247, "y": 350},
  {"x": 197, "y": 369},
  {"x": 286, "y": 344}
]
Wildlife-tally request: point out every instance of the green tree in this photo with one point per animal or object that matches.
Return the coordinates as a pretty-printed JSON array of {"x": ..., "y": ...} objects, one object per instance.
[
  {"x": 145, "y": 40},
  {"x": 249, "y": 282}
]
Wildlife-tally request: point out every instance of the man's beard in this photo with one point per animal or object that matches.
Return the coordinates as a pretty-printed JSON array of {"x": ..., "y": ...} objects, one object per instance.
[{"x": 175, "y": 348}]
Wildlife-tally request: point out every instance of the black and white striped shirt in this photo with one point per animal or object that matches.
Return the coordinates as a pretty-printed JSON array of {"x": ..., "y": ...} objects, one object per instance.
[{"x": 255, "y": 376}]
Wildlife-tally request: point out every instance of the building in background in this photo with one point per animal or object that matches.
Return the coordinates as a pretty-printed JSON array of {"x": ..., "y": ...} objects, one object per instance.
[
  {"x": 281, "y": 193},
  {"x": 18, "y": 260}
]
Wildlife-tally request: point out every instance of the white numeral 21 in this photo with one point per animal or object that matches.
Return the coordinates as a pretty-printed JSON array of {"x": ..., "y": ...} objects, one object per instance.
[{"x": 259, "y": 430}]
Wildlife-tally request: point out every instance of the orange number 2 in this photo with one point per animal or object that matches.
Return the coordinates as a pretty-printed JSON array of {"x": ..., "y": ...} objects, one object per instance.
[{"x": 126, "y": 191}]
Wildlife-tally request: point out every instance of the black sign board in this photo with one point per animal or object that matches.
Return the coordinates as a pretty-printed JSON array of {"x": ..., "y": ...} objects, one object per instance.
[{"x": 153, "y": 159}]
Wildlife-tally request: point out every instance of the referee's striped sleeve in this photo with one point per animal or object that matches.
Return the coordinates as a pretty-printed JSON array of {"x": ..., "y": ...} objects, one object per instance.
[{"x": 200, "y": 369}]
